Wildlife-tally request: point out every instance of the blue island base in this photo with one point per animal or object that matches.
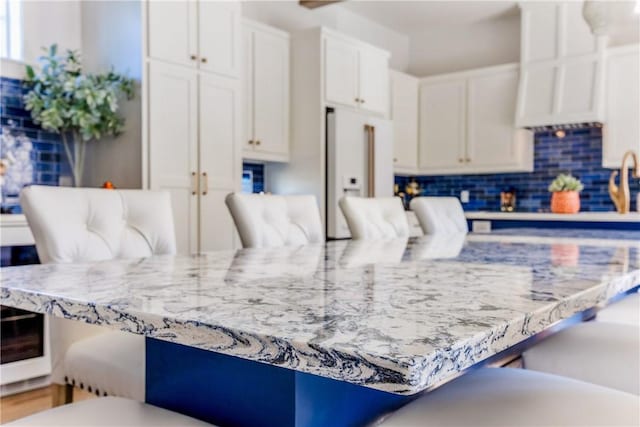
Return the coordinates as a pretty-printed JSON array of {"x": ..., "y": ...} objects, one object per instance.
[{"x": 230, "y": 391}]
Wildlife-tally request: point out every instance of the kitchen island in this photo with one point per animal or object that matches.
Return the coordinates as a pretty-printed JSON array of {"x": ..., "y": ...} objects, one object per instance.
[{"x": 338, "y": 333}]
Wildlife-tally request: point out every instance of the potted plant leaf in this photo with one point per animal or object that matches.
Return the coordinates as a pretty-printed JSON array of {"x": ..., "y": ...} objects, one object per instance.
[
  {"x": 80, "y": 107},
  {"x": 565, "y": 194}
]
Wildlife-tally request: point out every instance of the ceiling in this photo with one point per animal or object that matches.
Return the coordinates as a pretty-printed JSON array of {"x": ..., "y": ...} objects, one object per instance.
[{"x": 412, "y": 16}]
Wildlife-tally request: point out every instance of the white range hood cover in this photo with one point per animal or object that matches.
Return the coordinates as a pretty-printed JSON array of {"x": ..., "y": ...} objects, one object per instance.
[{"x": 562, "y": 67}]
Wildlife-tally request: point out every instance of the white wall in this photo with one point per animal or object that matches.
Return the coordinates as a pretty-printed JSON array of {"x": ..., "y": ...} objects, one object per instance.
[
  {"x": 48, "y": 22},
  {"x": 112, "y": 37},
  {"x": 290, "y": 16},
  {"x": 446, "y": 48},
  {"x": 45, "y": 23}
]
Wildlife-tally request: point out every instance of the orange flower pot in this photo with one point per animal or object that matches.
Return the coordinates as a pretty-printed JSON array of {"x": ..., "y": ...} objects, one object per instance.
[{"x": 565, "y": 202}]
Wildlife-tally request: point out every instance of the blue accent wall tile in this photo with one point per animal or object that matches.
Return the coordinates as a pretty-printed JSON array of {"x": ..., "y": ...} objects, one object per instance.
[
  {"x": 45, "y": 151},
  {"x": 257, "y": 171},
  {"x": 579, "y": 153}
]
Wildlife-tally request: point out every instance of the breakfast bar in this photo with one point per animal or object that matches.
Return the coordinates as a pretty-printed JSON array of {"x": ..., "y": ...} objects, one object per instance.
[{"x": 344, "y": 331}]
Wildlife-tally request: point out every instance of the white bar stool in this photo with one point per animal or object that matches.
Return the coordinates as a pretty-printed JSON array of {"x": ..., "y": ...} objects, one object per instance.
[
  {"x": 515, "y": 398},
  {"x": 375, "y": 218}
]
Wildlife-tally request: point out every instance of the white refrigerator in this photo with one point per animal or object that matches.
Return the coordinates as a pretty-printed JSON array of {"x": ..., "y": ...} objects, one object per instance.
[{"x": 359, "y": 162}]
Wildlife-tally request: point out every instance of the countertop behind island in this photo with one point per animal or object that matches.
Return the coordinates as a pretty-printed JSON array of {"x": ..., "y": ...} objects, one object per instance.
[{"x": 591, "y": 220}]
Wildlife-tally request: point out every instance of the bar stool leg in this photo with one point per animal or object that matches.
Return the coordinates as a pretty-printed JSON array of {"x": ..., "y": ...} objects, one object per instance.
[{"x": 62, "y": 394}]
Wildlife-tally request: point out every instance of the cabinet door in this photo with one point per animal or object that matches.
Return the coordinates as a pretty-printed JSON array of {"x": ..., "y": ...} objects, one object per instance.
[
  {"x": 341, "y": 72},
  {"x": 442, "y": 125},
  {"x": 219, "y": 34},
  {"x": 404, "y": 113},
  {"x": 491, "y": 106},
  {"x": 271, "y": 93},
  {"x": 173, "y": 145},
  {"x": 622, "y": 127},
  {"x": 374, "y": 80},
  {"x": 247, "y": 81},
  {"x": 172, "y": 31},
  {"x": 220, "y": 164}
]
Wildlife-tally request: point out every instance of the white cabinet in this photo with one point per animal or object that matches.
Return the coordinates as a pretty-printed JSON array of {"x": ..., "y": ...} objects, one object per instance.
[
  {"x": 404, "y": 113},
  {"x": 442, "y": 124},
  {"x": 341, "y": 72},
  {"x": 373, "y": 75},
  {"x": 466, "y": 124},
  {"x": 492, "y": 141},
  {"x": 204, "y": 34},
  {"x": 562, "y": 71},
  {"x": 173, "y": 156},
  {"x": 621, "y": 131},
  {"x": 266, "y": 89},
  {"x": 355, "y": 74},
  {"x": 191, "y": 116}
]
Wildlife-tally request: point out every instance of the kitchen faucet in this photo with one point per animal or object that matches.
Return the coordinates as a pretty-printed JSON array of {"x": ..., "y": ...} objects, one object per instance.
[{"x": 620, "y": 195}]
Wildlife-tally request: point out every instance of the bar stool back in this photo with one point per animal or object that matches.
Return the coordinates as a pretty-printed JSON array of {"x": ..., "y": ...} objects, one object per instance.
[
  {"x": 375, "y": 218},
  {"x": 90, "y": 224}
]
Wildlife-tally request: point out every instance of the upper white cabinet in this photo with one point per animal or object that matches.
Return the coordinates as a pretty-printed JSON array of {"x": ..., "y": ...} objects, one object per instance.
[
  {"x": 355, "y": 74},
  {"x": 562, "y": 66},
  {"x": 622, "y": 126},
  {"x": 205, "y": 34},
  {"x": 466, "y": 124},
  {"x": 266, "y": 89},
  {"x": 404, "y": 113},
  {"x": 191, "y": 116},
  {"x": 341, "y": 72},
  {"x": 442, "y": 124}
]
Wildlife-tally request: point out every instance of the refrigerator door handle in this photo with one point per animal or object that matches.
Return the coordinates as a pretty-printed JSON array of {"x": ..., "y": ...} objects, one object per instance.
[{"x": 371, "y": 163}]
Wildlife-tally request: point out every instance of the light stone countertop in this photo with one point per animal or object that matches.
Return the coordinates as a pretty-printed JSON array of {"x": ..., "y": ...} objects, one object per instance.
[{"x": 391, "y": 315}]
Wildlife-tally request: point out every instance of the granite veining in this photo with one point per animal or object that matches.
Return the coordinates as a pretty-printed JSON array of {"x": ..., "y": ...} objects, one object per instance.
[{"x": 399, "y": 316}]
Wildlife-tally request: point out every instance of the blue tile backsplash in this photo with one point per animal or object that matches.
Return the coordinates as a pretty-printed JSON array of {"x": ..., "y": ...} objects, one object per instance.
[
  {"x": 579, "y": 153},
  {"x": 37, "y": 155},
  {"x": 257, "y": 170}
]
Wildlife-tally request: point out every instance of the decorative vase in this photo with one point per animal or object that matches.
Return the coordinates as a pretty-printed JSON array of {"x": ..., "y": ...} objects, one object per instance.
[{"x": 565, "y": 202}]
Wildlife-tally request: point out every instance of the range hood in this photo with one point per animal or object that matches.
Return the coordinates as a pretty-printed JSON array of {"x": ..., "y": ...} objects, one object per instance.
[{"x": 562, "y": 68}]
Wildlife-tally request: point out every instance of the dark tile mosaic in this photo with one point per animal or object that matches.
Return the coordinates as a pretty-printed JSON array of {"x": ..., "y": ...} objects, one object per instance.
[{"x": 46, "y": 160}]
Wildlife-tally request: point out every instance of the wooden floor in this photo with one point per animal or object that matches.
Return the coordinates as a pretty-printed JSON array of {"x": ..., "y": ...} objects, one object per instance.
[{"x": 27, "y": 403}]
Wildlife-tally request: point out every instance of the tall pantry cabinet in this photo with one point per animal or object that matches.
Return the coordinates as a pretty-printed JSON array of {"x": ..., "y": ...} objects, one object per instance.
[{"x": 192, "y": 115}]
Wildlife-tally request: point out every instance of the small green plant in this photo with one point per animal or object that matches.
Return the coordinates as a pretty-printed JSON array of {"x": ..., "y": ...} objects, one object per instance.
[
  {"x": 565, "y": 182},
  {"x": 80, "y": 107}
]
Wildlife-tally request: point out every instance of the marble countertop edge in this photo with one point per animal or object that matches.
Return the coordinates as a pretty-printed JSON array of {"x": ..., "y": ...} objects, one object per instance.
[{"x": 411, "y": 374}]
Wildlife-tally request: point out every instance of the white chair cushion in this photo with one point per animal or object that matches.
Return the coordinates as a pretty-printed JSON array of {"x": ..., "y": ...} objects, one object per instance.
[
  {"x": 107, "y": 412},
  {"x": 625, "y": 311},
  {"x": 439, "y": 215},
  {"x": 375, "y": 218},
  {"x": 517, "y": 397},
  {"x": 112, "y": 363},
  {"x": 265, "y": 221},
  {"x": 91, "y": 224},
  {"x": 607, "y": 354}
]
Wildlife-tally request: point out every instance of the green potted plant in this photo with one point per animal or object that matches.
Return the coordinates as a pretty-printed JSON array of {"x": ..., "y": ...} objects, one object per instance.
[
  {"x": 80, "y": 107},
  {"x": 565, "y": 194}
]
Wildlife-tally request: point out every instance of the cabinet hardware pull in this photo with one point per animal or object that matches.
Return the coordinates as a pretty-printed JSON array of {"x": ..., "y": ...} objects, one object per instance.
[
  {"x": 251, "y": 142},
  {"x": 395, "y": 160},
  {"x": 194, "y": 57},
  {"x": 194, "y": 183},
  {"x": 362, "y": 101},
  {"x": 460, "y": 160},
  {"x": 206, "y": 184},
  {"x": 468, "y": 160},
  {"x": 358, "y": 100},
  {"x": 204, "y": 60},
  {"x": 258, "y": 142}
]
